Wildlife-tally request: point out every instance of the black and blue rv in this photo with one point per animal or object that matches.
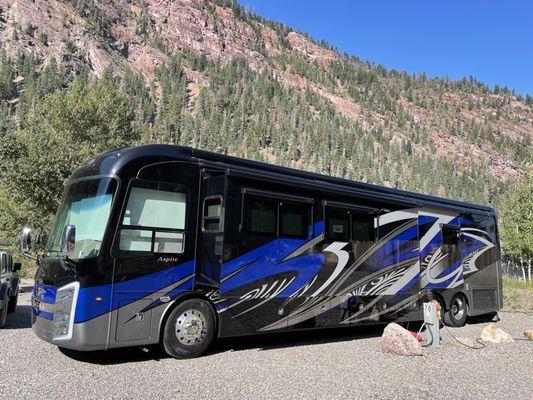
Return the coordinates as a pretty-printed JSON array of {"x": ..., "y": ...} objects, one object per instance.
[{"x": 177, "y": 246}]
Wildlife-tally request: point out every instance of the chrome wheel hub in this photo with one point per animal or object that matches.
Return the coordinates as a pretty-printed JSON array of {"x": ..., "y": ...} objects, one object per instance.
[
  {"x": 458, "y": 308},
  {"x": 190, "y": 327}
]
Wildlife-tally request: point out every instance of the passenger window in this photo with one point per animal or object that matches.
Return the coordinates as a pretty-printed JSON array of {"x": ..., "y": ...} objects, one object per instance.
[
  {"x": 212, "y": 216},
  {"x": 363, "y": 228},
  {"x": 154, "y": 219},
  {"x": 3, "y": 263},
  {"x": 261, "y": 215},
  {"x": 294, "y": 220},
  {"x": 449, "y": 235},
  {"x": 450, "y": 243},
  {"x": 338, "y": 224}
]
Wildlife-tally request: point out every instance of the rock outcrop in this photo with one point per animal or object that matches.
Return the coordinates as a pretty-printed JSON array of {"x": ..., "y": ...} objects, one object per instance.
[{"x": 142, "y": 36}]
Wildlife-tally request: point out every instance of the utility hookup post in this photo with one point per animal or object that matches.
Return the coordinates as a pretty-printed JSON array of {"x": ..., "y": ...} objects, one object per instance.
[{"x": 432, "y": 321}]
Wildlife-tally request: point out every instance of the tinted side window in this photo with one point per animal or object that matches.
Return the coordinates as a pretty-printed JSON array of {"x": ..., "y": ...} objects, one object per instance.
[
  {"x": 261, "y": 215},
  {"x": 154, "y": 219},
  {"x": 337, "y": 224},
  {"x": 294, "y": 219},
  {"x": 212, "y": 218},
  {"x": 449, "y": 236},
  {"x": 450, "y": 245},
  {"x": 363, "y": 228}
]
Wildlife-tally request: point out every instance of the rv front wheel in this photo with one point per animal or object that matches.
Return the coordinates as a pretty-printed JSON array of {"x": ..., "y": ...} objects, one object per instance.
[{"x": 189, "y": 330}]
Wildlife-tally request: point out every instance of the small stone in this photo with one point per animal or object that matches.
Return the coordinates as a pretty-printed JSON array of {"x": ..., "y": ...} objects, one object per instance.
[
  {"x": 397, "y": 340},
  {"x": 528, "y": 334},
  {"x": 491, "y": 333}
]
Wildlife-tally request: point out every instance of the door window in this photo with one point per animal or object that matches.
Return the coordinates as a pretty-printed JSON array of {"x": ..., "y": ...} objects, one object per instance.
[{"x": 212, "y": 216}]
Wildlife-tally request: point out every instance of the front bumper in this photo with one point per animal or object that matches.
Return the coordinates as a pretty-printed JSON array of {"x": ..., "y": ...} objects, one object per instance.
[
  {"x": 53, "y": 316},
  {"x": 83, "y": 337}
]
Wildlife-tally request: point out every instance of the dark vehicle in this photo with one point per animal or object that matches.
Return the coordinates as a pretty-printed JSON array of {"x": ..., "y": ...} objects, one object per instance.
[
  {"x": 172, "y": 245},
  {"x": 9, "y": 285}
]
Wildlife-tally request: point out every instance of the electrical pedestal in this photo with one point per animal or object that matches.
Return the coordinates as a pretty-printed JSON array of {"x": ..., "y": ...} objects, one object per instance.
[{"x": 432, "y": 321}]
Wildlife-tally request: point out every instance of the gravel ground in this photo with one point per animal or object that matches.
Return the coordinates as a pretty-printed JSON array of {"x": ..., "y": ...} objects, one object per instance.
[{"x": 344, "y": 364}]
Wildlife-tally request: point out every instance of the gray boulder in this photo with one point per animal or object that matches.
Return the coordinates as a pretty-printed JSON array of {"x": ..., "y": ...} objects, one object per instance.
[{"x": 397, "y": 340}]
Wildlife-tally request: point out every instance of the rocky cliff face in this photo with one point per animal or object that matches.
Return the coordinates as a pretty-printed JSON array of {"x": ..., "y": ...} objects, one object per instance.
[{"x": 116, "y": 35}]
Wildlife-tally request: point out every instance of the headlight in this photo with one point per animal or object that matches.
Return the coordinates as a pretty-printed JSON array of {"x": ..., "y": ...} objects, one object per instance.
[{"x": 65, "y": 304}]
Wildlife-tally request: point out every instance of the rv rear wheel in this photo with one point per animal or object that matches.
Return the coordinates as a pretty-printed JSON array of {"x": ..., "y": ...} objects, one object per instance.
[
  {"x": 189, "y": 330},
  {"x": 456, "y": 314}
]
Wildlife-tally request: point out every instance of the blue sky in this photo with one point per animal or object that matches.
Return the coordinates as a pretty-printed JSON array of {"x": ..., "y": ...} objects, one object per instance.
[{"x": 491, "y": 40}]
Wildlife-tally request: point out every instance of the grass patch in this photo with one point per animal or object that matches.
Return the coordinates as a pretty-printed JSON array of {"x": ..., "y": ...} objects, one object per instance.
[
  {"x": 517, "y": 284},
  {"x": 517, "y": 295}
]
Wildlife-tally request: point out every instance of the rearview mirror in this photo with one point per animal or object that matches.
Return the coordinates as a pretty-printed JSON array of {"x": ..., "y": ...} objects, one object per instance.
[
  {"x": 17, "y": 267},
  {"x": 69, "y": 240}
]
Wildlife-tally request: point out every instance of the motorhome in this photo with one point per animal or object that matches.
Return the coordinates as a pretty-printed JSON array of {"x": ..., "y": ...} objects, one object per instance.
[{"x": 178, "y": 246}]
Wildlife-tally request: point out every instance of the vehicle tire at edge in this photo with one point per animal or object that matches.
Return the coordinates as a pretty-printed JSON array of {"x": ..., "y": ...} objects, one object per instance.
[
  {"x": 12, "y": 305},
  {"x": 3, "y": 312},
  {"x": 189, "y": 329}
]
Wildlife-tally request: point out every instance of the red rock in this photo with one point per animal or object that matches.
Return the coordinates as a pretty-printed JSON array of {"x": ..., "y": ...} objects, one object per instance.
[{"x": 400, "y": 341}]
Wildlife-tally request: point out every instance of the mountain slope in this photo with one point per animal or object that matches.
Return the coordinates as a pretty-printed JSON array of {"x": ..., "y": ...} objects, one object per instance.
[{"x": 212, "y": 75}]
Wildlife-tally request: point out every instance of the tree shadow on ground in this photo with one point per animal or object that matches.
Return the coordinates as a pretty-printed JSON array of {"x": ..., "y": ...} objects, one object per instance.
[
  {"x": 19, "y": 320},
  {"x": 262, "y": 342}
]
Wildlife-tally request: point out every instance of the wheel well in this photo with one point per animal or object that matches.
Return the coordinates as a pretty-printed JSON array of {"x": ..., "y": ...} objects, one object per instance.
[
  {"x": 178, "y": 301},
  {"x": 446, "y": 304},
  {"x": 434, "y": 295}
]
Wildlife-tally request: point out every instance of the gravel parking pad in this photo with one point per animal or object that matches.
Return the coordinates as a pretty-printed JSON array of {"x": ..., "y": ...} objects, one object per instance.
[{"x": 344, "y": 364}]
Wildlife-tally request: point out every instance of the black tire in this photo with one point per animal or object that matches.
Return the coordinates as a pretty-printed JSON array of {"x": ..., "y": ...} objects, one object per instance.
[
  {"x": 12, "y": 305},
  {"x": 3, "y": 312},
  {"x": 189, "y": 330},
  {"x": 456, "y": 315}
]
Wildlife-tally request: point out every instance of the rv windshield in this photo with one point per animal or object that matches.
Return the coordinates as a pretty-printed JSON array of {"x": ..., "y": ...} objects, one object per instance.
[{"x": 86, "y": 204}]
